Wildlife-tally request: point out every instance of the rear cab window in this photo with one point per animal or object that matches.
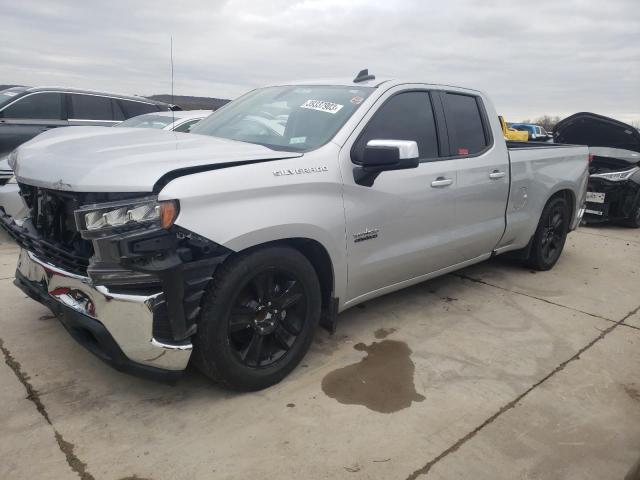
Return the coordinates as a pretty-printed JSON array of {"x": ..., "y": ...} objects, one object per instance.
[{"x": 469, "y": 132}]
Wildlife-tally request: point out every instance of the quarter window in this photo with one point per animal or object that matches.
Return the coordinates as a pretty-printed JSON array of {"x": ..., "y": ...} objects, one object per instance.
[
  {"x": 464, "y": 122},
  {"x": 405, "y": 116},
  {"x": 45, "y": 106},
  {"x": 133, "y": 109}
]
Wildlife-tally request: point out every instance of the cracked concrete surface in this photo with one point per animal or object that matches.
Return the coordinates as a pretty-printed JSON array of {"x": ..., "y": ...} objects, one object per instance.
[{"x": 523, "y": 376}]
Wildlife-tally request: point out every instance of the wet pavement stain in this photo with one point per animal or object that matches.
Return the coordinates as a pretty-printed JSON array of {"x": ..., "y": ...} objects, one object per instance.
[
  {"x": 632, "y": 391},
  {"x": 382, "y": 381},
  {"x": 383, "y": 332}
]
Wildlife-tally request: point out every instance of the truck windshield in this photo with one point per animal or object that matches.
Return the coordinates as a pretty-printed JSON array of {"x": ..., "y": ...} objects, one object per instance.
[{"x": 292, "y": 118}]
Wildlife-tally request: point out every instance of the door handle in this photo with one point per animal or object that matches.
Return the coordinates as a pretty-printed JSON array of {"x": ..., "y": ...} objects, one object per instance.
[
  {"x": 441, "y": 182},
  {"x": 496, "y": 174}
]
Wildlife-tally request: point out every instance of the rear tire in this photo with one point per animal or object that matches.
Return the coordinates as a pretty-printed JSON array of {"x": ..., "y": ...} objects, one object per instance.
[
  {"x": 258, "y": 318},
  {"x": 550, "y": 236}
]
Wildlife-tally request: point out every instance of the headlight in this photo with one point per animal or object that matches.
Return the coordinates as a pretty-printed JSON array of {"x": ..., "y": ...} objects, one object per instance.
[
  {"x": 145, "y": 211},
  {"x": 12, "y": 179},
  {"x": 616, "y": 176}
]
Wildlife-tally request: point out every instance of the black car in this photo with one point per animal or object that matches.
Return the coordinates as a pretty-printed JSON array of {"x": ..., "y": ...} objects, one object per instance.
[
  {"x": 28, "y": 111},
  {"x": 614, "y": 181}
]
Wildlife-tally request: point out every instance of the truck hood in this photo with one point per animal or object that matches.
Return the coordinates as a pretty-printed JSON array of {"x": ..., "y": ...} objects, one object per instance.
[
  {"x": 102, "y": 159},
  {"x": 595, "y": 130}
]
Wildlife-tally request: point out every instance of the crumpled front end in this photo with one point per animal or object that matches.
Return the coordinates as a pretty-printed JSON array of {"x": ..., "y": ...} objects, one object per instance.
[{"x": 128, "y": 291}]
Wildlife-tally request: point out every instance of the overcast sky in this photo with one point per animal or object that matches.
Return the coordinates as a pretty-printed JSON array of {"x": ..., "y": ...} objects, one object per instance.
[{"x": 533, "y": 57}]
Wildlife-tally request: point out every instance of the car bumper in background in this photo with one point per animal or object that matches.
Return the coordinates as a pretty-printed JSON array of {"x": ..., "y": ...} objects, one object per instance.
[
  {"x": 115, "y": 327},
  {"x": 610, "y": 201}
]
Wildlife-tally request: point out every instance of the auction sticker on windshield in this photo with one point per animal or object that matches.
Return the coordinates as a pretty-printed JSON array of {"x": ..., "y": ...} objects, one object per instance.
[{"x": 322, "y": 106}]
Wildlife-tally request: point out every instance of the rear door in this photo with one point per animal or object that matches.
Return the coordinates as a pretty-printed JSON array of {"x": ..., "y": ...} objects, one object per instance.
[
  {"x": 29, "y": 116},
  {"x": 399, "y": 228},
  {"x": 483, "y": 175}
]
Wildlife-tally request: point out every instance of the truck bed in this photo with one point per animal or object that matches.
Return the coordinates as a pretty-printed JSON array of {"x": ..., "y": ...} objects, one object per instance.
[
  {"x": 537, "y": 169},
  {"x": 511, "y": 145}
]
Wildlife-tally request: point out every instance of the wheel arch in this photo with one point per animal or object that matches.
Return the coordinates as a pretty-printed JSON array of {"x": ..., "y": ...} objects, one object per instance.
[
  {"x": 318, "y": 256},
  {"x": 570, "y": 197}
]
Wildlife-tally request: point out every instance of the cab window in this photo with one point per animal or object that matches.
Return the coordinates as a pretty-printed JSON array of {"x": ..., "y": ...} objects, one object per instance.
[
  {"x": 37, "y": 106},
  {"x": 91, "y": 107},
  {"x": 405, "y": 116},
  {"x": 467, "y": 134}
]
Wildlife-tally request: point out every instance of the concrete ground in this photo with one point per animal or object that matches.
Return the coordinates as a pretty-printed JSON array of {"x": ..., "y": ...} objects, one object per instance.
[{"x": 494, "y": 372}]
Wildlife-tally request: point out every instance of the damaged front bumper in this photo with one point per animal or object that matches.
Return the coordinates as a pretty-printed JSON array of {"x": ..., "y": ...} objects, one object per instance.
[{"x": 115, "y": 327}]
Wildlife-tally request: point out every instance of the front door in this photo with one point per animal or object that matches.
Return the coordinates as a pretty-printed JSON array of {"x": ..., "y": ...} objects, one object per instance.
[{"x": 400, "y": 227}]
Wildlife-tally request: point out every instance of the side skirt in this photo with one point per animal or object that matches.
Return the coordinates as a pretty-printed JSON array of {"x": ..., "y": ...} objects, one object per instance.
[{"x": 413, "y": 281}]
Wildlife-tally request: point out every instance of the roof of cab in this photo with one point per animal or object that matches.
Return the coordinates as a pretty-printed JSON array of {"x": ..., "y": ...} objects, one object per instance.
[{"x": 374, "y": 83}]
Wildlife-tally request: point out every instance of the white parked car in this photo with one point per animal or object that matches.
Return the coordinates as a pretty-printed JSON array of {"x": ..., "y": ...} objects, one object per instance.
[{"x": 180, "y": 121}]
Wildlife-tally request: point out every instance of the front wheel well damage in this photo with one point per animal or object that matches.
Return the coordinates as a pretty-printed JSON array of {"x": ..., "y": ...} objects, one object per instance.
[{"x": 319, "y": 258}]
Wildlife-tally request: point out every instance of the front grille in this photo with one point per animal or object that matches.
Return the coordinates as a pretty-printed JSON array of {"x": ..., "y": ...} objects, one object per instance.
[
  {"x": 49, "y": 252},
  {"x": 50, "y": 233}
]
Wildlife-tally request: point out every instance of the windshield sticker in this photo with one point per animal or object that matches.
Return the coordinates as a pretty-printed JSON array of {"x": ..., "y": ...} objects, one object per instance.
[
  {"x": 10, "y": 94},
  {"x": 322, "y": 106},
  {"x": 297, "y": 140},
  {"x": 357, "y": 100}
]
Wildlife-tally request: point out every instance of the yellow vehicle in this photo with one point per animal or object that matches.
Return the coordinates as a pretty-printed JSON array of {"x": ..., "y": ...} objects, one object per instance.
[{"x": 512, "y": 134}]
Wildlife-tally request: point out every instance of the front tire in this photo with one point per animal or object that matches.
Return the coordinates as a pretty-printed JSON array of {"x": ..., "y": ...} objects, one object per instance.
[
  {"x": 258, "y": 318},
  {"x": 550, "y": 236}
]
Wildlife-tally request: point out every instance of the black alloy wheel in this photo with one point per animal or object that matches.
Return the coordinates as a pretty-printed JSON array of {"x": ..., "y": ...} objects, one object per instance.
[
  {"x": 266, "y": 317},
  {"x": 258, "y": 318},
  {"x": 554, "y": 233},
  {"x": 550, "y": 236}
]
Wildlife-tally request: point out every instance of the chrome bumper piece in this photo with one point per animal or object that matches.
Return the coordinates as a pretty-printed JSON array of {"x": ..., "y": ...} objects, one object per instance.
[{"x": 127, "y": 318}]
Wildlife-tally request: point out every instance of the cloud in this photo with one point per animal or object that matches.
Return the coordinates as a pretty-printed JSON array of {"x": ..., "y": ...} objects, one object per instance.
[{"x": 533, "y": 58}]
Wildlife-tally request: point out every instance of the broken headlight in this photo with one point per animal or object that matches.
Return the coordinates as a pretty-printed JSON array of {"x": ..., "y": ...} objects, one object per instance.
[
  {"x": 616, "y": 176},
  {"x": 144, "y": 212}
]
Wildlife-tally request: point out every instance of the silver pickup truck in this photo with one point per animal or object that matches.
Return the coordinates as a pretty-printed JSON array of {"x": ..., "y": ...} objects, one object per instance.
[{"x": 228, "y": 246}]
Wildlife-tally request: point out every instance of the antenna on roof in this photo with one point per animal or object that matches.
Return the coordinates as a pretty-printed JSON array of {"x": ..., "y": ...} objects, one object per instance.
[
  {"x": 173, "y": 115},
  {"x": 363, "y": 76}
]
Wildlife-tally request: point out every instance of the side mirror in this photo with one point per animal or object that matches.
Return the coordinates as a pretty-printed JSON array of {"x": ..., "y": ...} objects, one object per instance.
[{"x": 384, "y": 155}]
